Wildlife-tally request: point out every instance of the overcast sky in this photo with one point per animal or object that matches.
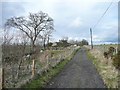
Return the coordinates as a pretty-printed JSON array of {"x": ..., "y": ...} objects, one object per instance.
[{"x": 72, "y": 18}]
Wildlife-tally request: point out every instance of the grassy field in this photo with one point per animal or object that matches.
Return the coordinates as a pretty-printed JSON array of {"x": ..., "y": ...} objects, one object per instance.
[
  {"x": 104, "y": 66},
  {"x": 104, "y": 48}
]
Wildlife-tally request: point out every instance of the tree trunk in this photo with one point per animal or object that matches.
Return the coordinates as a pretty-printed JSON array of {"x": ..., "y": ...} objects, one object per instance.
[
  {"x": 32, "y": 46},
  {"x": 48, "y": 42},
  {"x": 44, "y": 43},
  {"x": 19, "y": 67}
]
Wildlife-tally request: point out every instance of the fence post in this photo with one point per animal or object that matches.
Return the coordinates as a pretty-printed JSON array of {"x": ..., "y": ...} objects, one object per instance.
[
  {"x": 33, "y": 68},
  {"x": 1, "y": 68},
  {"x": 116, "y": 50},
  {"x": 47, "y": 61},
  {"x": 2, "y": 78}
]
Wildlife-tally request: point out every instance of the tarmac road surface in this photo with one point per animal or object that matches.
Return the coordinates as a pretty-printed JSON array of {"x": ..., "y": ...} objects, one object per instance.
[{"x": 78, "y": 73}]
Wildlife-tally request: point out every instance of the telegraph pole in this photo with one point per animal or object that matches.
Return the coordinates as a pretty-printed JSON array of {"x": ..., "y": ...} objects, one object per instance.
[{"x": 91, "y": 38}]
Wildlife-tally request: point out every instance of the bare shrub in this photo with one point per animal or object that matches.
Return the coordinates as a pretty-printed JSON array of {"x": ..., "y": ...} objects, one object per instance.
[
  {"x": 109, "y": 53},
  {"x": 116, "y": 60}
]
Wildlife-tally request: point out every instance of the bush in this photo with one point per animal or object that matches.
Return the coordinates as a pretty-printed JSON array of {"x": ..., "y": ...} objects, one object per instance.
[
  {"x": 109, "y": 53},
  {"x": 106, "y": 55},
  {"x": 111, "y": 49},
  {"x": 116, "y": 60}
]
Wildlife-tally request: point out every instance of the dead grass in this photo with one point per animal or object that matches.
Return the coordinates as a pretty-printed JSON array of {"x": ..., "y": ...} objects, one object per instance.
[{"x": 105, "y": 67}]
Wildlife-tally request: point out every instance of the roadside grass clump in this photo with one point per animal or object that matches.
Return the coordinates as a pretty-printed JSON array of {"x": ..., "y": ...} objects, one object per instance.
[
  {"x": 109, "y": 53},
  {"x": 56, "y": 52},
  {"x": 42, "y": 80},
  {"x": 115, "y": 57},
  {"x": 116, "y": 60}
]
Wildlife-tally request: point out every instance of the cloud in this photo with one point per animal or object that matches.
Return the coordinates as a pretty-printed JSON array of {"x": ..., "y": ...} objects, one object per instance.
[
  {"x": 58, "y": 0},
  {"x": 72, "y": 18},
  {"x": 11, "y": 9},
  {"x": 77, "y": 22}
]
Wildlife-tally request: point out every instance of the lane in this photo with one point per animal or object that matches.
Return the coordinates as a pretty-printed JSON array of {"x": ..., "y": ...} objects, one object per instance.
[{"x": 78, "y": 73}]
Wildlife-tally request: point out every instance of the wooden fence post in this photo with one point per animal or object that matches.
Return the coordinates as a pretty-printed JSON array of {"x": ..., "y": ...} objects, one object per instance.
[
  {"x": 1, "y": 69},
  {"x": 33, "y": 68},
  {"x": 116, "y": 50},
  {"x": 47, "y": 57},
  {"x": 2, "y": 78}
]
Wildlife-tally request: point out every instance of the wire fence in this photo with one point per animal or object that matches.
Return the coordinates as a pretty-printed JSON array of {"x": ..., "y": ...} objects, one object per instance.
[{"x": 19, "y": 73}]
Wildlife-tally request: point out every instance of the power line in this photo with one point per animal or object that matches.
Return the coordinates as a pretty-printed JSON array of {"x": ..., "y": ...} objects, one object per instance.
[{"x": 103, "y": 15}]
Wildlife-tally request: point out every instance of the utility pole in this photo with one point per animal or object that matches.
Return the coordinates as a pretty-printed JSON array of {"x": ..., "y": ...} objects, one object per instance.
[
  {"x": 91, "y": 38},
  {"x": 48, "y": 39}
]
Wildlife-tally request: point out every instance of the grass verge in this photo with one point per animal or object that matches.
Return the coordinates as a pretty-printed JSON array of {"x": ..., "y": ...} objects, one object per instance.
[
  {"x": 94, "y": 60},
  {"x": 41, "y": 81},
  {"x": 107, "y": 72}
]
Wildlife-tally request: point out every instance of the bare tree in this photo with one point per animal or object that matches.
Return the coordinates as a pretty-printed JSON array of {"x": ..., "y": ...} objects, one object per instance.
[
  {"x": 1, "y": 36},
  {"x": 46, "y": 36},
  {"x": 24, "y": 41},
  {"x": 31, "y": 25},
  {"x": 8, "y": 37}
]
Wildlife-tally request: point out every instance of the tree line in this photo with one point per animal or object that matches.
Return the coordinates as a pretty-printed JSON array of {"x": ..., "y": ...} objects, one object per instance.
[{"x": 66, "y": 43}]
